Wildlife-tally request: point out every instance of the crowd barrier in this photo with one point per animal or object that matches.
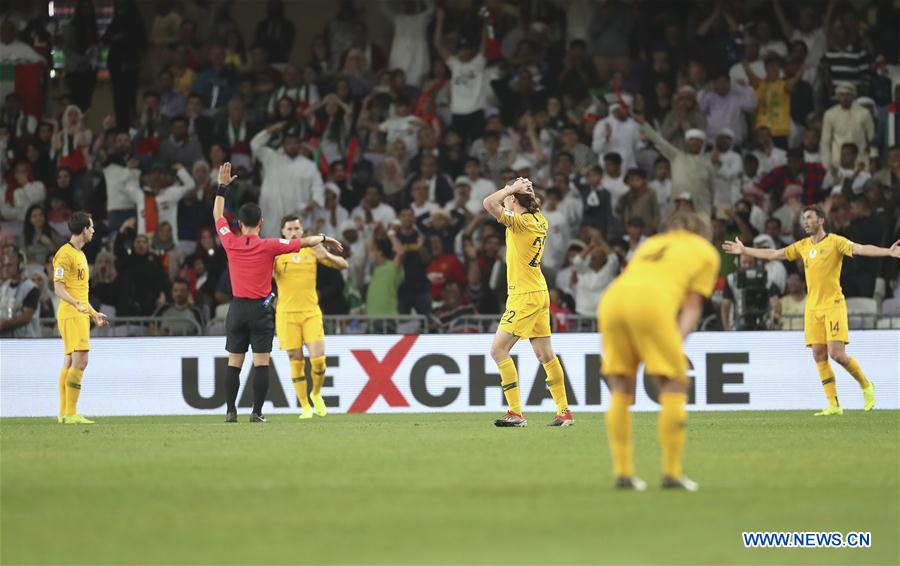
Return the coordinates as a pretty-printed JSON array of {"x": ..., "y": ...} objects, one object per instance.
[{"x": 431, "y": 373}]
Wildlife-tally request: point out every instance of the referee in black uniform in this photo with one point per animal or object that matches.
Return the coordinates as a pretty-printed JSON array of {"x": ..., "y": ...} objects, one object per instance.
[{"x": 251, "y": 316}]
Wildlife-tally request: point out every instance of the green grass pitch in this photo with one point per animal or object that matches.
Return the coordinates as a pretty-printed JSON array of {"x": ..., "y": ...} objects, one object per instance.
[{"x": 440, "y": 488}]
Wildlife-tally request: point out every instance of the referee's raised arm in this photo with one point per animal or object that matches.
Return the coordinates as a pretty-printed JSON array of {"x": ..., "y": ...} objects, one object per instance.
[{"x": 251, "y": 319}]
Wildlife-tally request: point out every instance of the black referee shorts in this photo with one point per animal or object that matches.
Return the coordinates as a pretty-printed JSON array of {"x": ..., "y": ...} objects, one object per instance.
[{"x": 249, "y": 323}]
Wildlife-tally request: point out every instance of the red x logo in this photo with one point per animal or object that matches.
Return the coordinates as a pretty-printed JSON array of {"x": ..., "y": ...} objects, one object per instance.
[{"x": 380, "y": 374}]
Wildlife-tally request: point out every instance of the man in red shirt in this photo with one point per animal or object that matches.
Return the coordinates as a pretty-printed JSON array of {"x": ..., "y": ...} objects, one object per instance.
[{"x": 251, "y": 319}]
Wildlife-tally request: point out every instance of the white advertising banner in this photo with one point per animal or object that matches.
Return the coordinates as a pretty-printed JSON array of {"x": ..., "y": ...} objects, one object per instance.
[{"x": 382, "y": 374}]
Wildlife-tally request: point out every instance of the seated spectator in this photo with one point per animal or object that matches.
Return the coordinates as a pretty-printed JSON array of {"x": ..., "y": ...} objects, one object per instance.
[
  {"x": 635, "y": 235},
  {"x": 661, "y": 184},
  {"x": 598, "y": 211},
  {"x": 371, "y": 210},
  {"x": 728, "y": 168},
  {"x": 560, "y": 309},
  {"x": 639, "y": 201},
  {"x": 767, "y": 154},
  {"x": 142, "y": 276},
  {"x": 440, "y": 188},
  {"x": 453, "y": 308},
  {"x": 329, "y": 218},
  {"x": 725, "y": 106},
  {"x": 808, "y": 176},
  {"x": 617, "y": 133},
  {"x": 685, "y": 116},
  {"x": 40, "y": 239},
  {"x": 179, "y": 147},
  {"x": 851, "y": 172},
  {"x": 592, "y": 271},
  {"x": 200, "y": 126},
  {"x": 563, "y": 280},
  {"x": 557, "y": 233},
  {"x": 20, "y": 299},
  {"x": 22, "y": 192},
  {"x": 443, "y": 267},
  {"x": 858, "y": 276},
  {"x": 106, "y": 286},
  {"x": 171, "y": 102},
  {"x": 393, "y": 171},
  {"x": 216, "y": 83},
  {"x": 582, "y": 155},
  {"x": 793, "y": 303},
  {"x": 164, "y": 246},
  {"x": 179, "y": 317},
  {"x": 235, "y": 129}
]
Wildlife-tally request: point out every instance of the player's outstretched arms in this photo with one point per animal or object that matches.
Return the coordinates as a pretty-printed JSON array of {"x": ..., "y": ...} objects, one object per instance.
[
  {"x": 877, "y": 251},
  {"x": 737, "y": 247}
]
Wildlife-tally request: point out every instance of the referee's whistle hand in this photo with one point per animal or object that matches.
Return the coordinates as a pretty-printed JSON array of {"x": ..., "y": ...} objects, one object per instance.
[{"x": 225, "y": 177}]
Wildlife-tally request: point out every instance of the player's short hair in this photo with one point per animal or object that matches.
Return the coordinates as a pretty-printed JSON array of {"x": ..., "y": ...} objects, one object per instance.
[
  {"x": 691, "y": 222},
  {"x": 288, "y": 218},
  {"x": 78, "y": 222},
  {"x": 250, "y": 215},
  {"x": 817, "y": 209}
]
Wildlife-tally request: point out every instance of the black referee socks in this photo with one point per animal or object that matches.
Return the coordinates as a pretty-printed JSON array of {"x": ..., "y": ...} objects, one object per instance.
[
  {"x": 260, "y": 387},
  {"x": 232, "y": 384}
]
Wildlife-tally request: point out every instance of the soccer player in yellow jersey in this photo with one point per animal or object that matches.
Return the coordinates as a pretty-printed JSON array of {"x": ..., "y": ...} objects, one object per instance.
[
  {"x": 645, "y": 315},
  {"x": 528, "y": 304},
  {"x": 298, "y": 319},
  {"x": 825, "y": 318},
  {"x": 70, "y": 283}
]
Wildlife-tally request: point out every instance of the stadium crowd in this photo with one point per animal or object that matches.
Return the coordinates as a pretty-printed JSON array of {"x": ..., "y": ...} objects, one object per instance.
[{"x": 619, "y": 111}]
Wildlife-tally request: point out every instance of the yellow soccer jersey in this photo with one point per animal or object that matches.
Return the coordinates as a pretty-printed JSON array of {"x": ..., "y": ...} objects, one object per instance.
[
  {"x": 295, "y": 275},
  {"x": 71, "y": 267},
  {"x": 525, "y": 235},
  {"x": 822, "y": 263},
  {"x": 673, "y": 264}
]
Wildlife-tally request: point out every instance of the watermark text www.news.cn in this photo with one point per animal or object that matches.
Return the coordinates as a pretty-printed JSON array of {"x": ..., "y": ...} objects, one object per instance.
[{"x": 812, "y": 539}]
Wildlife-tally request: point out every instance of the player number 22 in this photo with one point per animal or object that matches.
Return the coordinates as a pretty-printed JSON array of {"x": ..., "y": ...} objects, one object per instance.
[{"x": 536, "y": 260}]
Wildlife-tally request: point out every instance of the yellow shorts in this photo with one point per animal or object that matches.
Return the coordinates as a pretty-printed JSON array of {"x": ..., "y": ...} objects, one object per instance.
[
  {"x": 527, "y": 315},
  {"x": 297, "y": 328},
  {"x": 825, "y": 325},
  {"x": 75, "y": 332},
  {"x": 639, "y": 327}
]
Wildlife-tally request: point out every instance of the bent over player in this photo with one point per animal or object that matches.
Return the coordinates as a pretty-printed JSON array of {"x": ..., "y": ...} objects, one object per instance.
[
  {"x": 825, "y": 316},
  {"x": 528, "y": 304},
  {"x": 70, "y": 283},
  {"x": 645, "y": 315},
  {"x": 298, "y": 318}
]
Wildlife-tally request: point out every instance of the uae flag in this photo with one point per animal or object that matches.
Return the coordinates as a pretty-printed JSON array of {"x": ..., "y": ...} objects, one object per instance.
[{"x": 25, "y": 80}]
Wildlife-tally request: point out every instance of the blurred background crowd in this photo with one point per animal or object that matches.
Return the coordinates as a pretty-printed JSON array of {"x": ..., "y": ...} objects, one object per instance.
[{"x": 378, "y": 117}]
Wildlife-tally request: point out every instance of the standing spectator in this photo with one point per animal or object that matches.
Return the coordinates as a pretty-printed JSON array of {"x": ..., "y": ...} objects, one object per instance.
[
  {"x": 685, "y": 115},
  {"x": 598, "y": 210},
  {"x": 692, "y": 172},
  {"x": 793, "y": 303},
  {"x": 481, "y": 187},
  {"x": 171, "y": 102},
  {"x": 850, "y": 176},
  {"x": 725, "y": 106},
  {"x": 179, "y": 317},
  {"x": 773, "y": 94},
  {"x": 373, "y": 55},
  {"x": 639, "y": 201},
  {"x": 728, "y": 167},
  {"x": 846, "y": 122},
  {"x": 72, "y": 144},
  {"x": 409, "y": 50},
  {"x": 155, "y": 202},
  {"x": 751, "y": 57},
  {"x": 294, "y": 88},
  {"x": 468, "y": 87},
  {"x": 614, "y": 178},
  {"x": 218, "y": 82},
  {"x": 106, "y": 286},
  {"x": 846, "y": 60},
  {"x": 119, "y": 171},
  {"x": 19, "y": 298},
  {"x": 610, "y": 33},
  {"x": 617, "y": 133},
  {"x": 79, "y": 41},
  {"x": 235, "y": 129},
  {"x": 21, "y": 125},
  {"x": 661, "y": 184},
  {"x": 568, "y": 140},
  {"x": 808, "y": 31},
  {"x": 519, "y": 96},
  {"x": 126, "y": 39},
  {"x": 415, "y": 292},
  {"x": 329, "y": 218},
  {"x": 275, "y": 33},
  {"x": 858, "y": 276},
  {"x": 290, "y": 180},
  {"x": 403, "y": 125},
  {"x": 634, "y": 236},
  {"x": 179, "y": 147},
  {"x": 387, "y": 276},
  {"x": 200, "y": 125},
  {"x": 592, "y": 272},
  {"x": 768, "y": 155},
  {"x": 440, "y": 188},
  {"x": 452, "y": 309}
]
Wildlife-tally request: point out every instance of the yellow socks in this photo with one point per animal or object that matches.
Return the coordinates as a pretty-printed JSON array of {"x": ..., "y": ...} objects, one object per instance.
[
  {"x": 618, "y": 429},
  {"x": 62, "y": 391},
  {"x": 556, "y": 381},
  {"x": 854, "y": 370},
  {"x": 73, "y": 390},
  {"x": 298, "y": 378},
  {"x": 672, "y": 421},
  {"x": 318, "y": 374},
  {"x": 509, "y": 379},
  {"x": 828, "y": 384}
]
